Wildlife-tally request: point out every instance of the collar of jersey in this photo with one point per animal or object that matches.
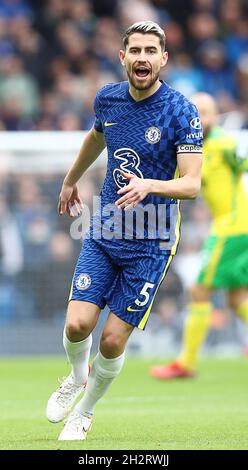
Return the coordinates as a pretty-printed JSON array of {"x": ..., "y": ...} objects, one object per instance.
[{"x": 149, "y": 99}]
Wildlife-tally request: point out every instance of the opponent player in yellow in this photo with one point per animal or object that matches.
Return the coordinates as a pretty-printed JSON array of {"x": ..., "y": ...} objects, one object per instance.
[{"x": 225, "y": 252}]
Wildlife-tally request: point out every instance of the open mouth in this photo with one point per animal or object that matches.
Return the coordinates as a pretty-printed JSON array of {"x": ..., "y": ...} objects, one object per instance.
[{"x": 142, "y": 72}]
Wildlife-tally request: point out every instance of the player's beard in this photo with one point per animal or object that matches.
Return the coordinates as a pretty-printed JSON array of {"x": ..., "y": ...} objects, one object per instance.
[{"x": 143, "y": 85}]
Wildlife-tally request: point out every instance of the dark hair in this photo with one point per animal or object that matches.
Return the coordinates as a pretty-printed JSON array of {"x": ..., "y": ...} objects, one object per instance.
[{"x": 145, "y": 27}]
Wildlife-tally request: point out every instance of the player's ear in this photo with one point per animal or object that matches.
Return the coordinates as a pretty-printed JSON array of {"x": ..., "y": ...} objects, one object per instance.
[
  {"x": 122, "y": 57},
  {"x": 164, "y": 59}
]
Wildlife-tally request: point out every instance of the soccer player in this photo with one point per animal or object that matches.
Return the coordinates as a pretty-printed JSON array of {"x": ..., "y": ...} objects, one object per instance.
[
  {"x": 225, "y": 252},
  {"x": 150, "y": 131}
]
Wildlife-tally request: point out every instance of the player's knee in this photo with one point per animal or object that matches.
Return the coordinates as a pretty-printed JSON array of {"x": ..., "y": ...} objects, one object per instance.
[
  {"x": 232, "y": 301},
  {"x": 199, "y": 293},
  {"x": 111, "y": 344},
  {"x": 195, "y": 293},
  {"x": 76, "y": 329},
  {"x": 236, "y": 298}
]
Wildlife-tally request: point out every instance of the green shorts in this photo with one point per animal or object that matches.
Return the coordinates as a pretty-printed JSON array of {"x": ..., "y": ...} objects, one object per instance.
[{"x": 225, "y": 262}]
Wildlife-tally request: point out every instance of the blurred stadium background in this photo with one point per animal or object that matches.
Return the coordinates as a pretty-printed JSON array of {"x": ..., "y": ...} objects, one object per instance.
[{"x": 54, "y": 56}]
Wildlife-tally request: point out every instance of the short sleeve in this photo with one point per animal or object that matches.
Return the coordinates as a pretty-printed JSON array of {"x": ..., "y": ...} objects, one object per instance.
[
  {"x": 188, "y": 130},
  {"x": 98, "y": 123}
]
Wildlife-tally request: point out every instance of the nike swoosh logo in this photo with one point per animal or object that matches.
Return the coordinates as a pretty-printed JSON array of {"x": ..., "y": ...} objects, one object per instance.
[
  {"x": 107, "y": 124},
  {"x": 130, "y": 309}
]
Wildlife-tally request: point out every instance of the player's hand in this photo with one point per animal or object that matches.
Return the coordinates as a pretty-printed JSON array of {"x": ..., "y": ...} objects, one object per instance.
[
  {"x": 69, "y": 201},
  {"x": 136, "y": 190}
]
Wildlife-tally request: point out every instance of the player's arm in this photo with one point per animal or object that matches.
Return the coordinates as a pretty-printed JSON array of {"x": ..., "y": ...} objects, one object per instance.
[
  {"x": 187, "y": 186},
  {"x": 91, "y": 148}
]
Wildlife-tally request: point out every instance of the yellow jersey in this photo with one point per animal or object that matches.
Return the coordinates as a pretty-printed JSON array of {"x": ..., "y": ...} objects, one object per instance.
[{"x": 222, "y": 184}]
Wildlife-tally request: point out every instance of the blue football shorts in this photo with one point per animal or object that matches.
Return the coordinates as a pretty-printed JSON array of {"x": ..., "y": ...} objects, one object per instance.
[{"x": 121, "y": 277}]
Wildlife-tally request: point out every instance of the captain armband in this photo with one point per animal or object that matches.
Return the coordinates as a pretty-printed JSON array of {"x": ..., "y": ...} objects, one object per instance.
[{"x": 189, "y": 148}]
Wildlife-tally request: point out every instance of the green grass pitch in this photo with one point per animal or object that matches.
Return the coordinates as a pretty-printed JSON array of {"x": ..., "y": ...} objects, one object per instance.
[{"x": 209, "y": 412}]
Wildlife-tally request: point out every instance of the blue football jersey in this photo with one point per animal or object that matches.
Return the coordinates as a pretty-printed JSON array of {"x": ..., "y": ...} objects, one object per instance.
[{"x": 143, "y": 138}]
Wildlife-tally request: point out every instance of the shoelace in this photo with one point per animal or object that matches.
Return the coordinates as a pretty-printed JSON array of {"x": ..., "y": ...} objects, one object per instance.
[{"x": 66, "y": 390}]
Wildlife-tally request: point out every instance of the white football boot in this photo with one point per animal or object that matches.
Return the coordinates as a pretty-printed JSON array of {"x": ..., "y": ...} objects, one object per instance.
[
  {"x": 76, "y": 427},
  {"x": 61, "y": 401}
]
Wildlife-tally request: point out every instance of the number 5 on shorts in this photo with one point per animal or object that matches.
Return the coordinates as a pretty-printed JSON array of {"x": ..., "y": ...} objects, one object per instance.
[{"x": 145, "y": 293}]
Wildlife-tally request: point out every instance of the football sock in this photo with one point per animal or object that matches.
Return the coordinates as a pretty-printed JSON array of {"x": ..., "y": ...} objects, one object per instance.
[
  {"x": 195, "y": 332},
  {"x": 78, "y": 355},
  {"x": 101, "y": 376},
  {"x": 242, "y": 310}
]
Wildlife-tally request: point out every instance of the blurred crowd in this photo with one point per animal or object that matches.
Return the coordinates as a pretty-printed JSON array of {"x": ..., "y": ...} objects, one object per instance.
[{"x": 55, "y": 54}]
